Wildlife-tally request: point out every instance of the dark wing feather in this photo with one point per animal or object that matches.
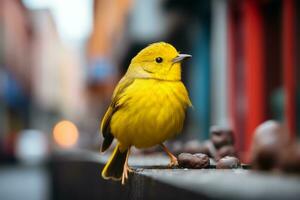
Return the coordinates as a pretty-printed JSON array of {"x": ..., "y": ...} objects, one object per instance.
[{"x": 113, "y": 107}]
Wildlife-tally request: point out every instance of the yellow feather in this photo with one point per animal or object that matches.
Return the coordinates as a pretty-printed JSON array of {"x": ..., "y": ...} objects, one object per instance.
[{"x": 151, "y": 113}]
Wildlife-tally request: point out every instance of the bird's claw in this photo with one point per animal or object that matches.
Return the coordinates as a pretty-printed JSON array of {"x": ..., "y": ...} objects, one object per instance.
[
  {"x": 130, "y": 170},
  {"x": 173, "y": 162}
]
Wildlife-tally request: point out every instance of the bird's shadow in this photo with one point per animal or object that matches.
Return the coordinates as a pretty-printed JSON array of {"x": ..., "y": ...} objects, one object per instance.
[
  {"x": 142, "y": 167},
  {"x": 153, "y": 167}
]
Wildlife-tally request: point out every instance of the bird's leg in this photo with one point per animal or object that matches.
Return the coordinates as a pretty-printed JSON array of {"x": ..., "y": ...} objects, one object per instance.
[
  {"x": 126, "y": 168},
  {"x": 173, "y": 159}
]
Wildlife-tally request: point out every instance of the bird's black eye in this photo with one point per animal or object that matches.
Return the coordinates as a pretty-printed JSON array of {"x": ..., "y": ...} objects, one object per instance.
[{"x": 158, "y": 59}]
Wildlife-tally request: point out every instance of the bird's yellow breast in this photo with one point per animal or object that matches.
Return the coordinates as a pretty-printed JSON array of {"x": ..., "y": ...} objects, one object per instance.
[{"x": 150, "y": 112}]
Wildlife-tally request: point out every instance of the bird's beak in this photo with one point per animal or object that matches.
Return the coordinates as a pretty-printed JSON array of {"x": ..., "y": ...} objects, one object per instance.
[{"x": 181, "y": 57}]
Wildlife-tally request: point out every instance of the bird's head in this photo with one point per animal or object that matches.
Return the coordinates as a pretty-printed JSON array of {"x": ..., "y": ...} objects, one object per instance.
[{"x": 158, "y": 60}]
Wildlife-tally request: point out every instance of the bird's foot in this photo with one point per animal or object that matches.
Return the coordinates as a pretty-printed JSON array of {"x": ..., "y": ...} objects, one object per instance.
[
  {"x": 126, "y": 170},
  {"x": 173, "y": 161},
  {"x": 130, "y": 170}
]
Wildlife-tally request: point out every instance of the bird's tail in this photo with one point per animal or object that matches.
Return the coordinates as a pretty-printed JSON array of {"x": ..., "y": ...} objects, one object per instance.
[{"x": 114, "y": 167}]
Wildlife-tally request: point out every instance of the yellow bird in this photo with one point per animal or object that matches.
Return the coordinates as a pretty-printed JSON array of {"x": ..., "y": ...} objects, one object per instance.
[{"x": 147, "y": 108}]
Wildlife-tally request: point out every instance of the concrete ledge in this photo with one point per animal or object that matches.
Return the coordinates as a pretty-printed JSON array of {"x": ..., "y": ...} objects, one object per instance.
[{"x": 76, "y": 175}]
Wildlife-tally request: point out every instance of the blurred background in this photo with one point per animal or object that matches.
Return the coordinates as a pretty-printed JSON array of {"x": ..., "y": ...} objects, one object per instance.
[{"x": 60, "y": 61}]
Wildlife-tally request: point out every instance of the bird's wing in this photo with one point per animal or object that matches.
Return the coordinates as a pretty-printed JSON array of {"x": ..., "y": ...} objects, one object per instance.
[{"x": 113, "y": 107}]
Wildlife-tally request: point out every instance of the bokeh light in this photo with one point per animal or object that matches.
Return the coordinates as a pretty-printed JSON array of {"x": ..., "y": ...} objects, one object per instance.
[{"x": 65, "y": 134}]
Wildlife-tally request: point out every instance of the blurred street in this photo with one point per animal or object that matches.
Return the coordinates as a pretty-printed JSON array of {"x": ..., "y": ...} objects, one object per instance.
[{"x": 27, "y": 182}]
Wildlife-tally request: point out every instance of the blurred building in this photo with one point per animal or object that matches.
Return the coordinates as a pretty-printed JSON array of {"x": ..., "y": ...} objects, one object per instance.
[
  {"x": 41, "y": 78},
  {"x": 15, "y": 67},
  {"x": 57, "y": 77}
]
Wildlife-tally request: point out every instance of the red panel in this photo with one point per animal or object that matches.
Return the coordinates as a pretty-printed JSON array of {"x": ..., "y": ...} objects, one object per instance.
[
  {"x": 234, "y": 41},
  {"x": 254, "y": 68},
  {"x": 289, "y": 64}
]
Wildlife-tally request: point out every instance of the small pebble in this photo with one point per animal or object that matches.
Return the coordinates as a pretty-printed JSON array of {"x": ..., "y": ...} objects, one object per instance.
[
  {"x": 228, "y": 162},
  {"x": 227, "y": 150},
  {"x": 221, "y": 136},
  {"x": 290, "y": 159},
  {"x": 193, "y": 161},
  {"x": 269, "y": 140}
]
